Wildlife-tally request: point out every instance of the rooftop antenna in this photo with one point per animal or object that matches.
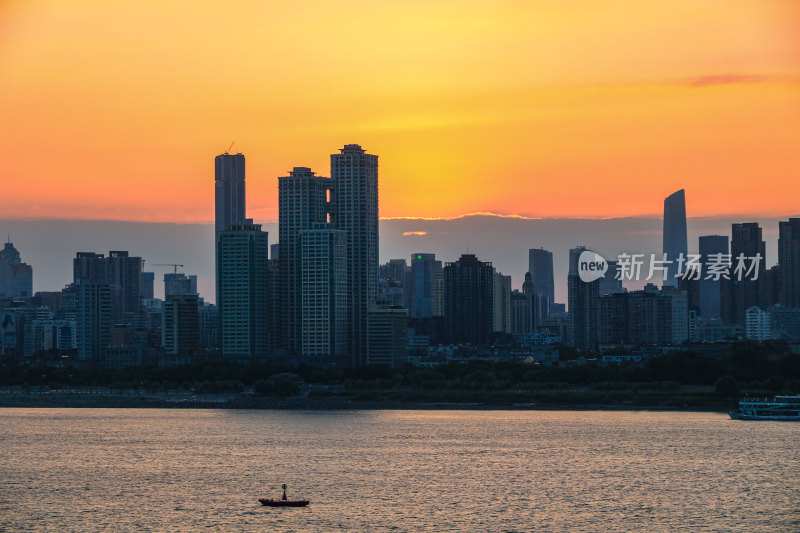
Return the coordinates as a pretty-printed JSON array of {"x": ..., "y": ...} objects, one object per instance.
[{"x": 229, "y": 148}]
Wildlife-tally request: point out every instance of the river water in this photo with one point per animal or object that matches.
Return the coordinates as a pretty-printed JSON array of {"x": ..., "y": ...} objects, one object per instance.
[{"x": 203, "y": 470}]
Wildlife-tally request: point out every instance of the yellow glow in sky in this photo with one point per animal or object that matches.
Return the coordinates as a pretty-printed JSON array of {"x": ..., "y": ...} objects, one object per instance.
[{"x": 551, "y": 108}]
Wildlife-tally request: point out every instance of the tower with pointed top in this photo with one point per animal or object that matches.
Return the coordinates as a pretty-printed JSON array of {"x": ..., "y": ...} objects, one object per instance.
[{"x": 674, "y": 236}]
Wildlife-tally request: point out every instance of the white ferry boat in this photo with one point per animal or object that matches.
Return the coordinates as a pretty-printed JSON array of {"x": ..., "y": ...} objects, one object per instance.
[{"x": 780, "y": 408}]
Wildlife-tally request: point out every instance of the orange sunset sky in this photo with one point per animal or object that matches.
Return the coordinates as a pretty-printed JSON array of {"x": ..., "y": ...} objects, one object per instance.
[{"x": 115, "y": 110}]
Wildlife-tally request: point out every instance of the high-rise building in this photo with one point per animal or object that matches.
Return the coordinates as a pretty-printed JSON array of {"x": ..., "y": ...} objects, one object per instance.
[
  {"x": 501, "y": 296},
  {"x": 123, "y": 275},
  {"x": 710, "y": 289},
  {"x": 176, "y": 283},
  {"x": 229, "y": 197},
  {"x": 180, "y": 324},
  {"x": 302, "y": 205},
  {"x": 275, "y": 307},
  {"x": 146, "y": 291},
  {"x": 740, "y": 295},
  {"x": 394, "y": 270},
  {"x": 420, "y": 284},
  {"x": 323, "y": 295},
  {"x": 468, "y": 301},
  {"x": 610, "y": 283},
  {"x": 438, "y": 293},
  {"x": 757, "y": 324},
  {"x": 125, "y": 278},
  {"x": 639, "y": 317},
  {"x": 540, "y": 266},
  {"x": 242, "y": 292},
  {"x": 128, "y": 347},
  {"x": 521, "y": 321},
  {"x": 524, "y": 307},
  {"x": 583, "y": 305},
  {"x": 387, "y": 336},
  {"x": 789, "y": 262},
  {"x": 785, "y": 322},
  {"x": 208, "y": 324},
  {"x": 674, "y": 233},
  {"x": 89, "y": 266},
  {"x": 355, "y": 211},
  {"x": 16, "y": 277},
  {"x": 94, "y": 319},
  {"x": 679, "y": 304}
]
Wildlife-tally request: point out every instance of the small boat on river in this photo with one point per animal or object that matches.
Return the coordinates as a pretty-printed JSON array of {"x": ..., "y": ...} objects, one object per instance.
[{"x": 283, "y": 502}]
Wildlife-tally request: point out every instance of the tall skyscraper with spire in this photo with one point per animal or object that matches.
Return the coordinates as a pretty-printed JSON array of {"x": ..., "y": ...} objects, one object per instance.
[
  {"x": 229, "y": 198},
  {"x": 354, "y": 210},
  {"x": 674, "y": 233}
]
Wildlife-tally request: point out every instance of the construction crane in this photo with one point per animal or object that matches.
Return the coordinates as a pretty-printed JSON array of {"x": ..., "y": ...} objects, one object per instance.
[
  {"x": 229, "y": 147},
  {"x": 173, "y": 265}
]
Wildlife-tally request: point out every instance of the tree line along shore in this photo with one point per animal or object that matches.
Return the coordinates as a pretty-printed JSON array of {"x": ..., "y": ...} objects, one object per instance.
[{"x": 680, "y": 380}]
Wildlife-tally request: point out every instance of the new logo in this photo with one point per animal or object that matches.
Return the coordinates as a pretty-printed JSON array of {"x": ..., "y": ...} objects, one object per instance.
[{"x": 591, "y": 266}]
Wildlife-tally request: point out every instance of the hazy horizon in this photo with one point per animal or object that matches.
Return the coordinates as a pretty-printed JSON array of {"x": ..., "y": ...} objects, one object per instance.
[{"x": 49, "y": 245}]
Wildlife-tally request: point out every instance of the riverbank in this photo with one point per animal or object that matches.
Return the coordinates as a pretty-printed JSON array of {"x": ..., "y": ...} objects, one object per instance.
[{"x": 695, "y": 401}]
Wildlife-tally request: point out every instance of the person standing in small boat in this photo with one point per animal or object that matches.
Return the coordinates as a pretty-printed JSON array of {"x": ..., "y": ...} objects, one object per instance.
[{"x": 284, "y": 501}]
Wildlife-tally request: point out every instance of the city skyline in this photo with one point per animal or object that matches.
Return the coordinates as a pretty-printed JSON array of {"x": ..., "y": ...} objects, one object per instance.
[
  {"x": 50, "y": 247},
  {"x": 392, "y": 258},
  {"x": 511, "y": 109}
]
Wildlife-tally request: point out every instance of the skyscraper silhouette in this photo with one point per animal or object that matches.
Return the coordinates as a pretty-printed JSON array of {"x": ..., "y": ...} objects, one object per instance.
[
  {"x": 302, "y": 206},
  {"x": 93, "y": 306},
  {"x": 583, "y": 301},
  {"x": 674, "y": 233},
  {"x": 420, "y": 285},
  {"x": 243, "y": 292},
  {"x": 740, "y": 295},
  {"x": 229, "y": 197},
  {"x": 123, "y": 275},
  {"x": 354, "y": 210},
  {"x": 468, "y": 301},
  {"x": 540, "y": 266},
  {"x": 789, "y": 261},
  {"x": 710, "y": 290},
  {"x": 16, "y": 277}
]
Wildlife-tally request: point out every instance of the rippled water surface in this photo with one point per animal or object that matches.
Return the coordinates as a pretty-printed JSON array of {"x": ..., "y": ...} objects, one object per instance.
[{"x": 197, "y": 470}]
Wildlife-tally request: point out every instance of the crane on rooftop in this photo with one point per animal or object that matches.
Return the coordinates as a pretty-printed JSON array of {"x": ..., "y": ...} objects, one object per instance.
[{"x": 173, "y": 265}]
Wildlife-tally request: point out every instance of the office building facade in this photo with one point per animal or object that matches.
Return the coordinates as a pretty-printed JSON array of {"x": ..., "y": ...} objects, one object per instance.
[
  {"x": 243, "y": 292},
  {"x": 468, "y": 301},
  {"x": 540, "y": 267}
]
